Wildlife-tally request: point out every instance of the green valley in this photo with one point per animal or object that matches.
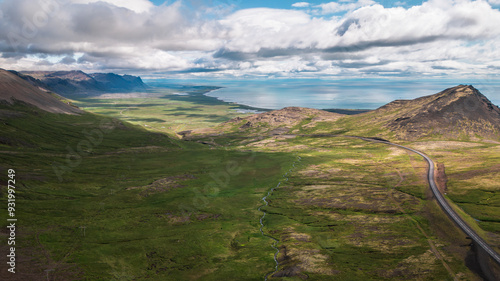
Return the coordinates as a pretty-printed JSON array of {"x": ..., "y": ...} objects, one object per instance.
[{"x": 117, "y": 193}]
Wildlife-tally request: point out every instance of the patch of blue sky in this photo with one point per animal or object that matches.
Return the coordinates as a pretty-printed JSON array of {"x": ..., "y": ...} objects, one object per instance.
[{"x": 284, "y": 4}]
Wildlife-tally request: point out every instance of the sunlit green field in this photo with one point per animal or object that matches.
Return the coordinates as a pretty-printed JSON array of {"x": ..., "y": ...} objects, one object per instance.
[
  {"x": 125, "y": 199},
  {"x": 167, "y": 110},
  {"x": 138, "y": 205}
]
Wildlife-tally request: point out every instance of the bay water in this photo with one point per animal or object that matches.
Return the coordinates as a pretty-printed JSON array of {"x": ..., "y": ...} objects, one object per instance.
[{"x": 329, "y": 94}]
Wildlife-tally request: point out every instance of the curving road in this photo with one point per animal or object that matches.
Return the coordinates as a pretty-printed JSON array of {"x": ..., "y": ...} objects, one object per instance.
[
  {"x": 437, "y": 194},
  {"x": 444, "y": 204}
]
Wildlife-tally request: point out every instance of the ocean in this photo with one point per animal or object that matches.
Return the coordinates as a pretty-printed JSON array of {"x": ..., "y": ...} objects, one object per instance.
[{"x": 329, "y": 94}]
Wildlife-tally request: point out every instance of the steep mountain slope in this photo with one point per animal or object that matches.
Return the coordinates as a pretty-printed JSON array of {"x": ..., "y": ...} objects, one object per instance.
[
  {"x": 76, "y": 82},
  {"x": 458, "y": 112},
  {"x": 27, "y": 122},
  {"x": 66, "y": 82},
  {"x": 13, "y": 88}
]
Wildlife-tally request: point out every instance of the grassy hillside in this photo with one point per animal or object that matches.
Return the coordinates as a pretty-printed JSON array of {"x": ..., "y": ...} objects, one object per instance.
[
  {"x": 458, "y": 113},
  {"x": 103, "y": 199},
  {"x": 353, "y": 210},
  {"x": 133, "y": 204},
  {"x": 27, "y": 129}
]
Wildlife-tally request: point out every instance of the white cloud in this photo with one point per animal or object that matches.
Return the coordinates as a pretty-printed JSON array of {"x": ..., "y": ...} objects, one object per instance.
[
  {"x": 293, "y": 64},
  {"x": 301, "y": 5},
  {"x": 254, "y": 29},
  {"x": 439, "y": 36},
  {"x": 138, "y": 6},
  {"x": 335, "y": 7}
]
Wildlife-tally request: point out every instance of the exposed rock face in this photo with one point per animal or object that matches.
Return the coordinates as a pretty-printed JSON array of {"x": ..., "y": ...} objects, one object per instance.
[
  {"x": 461, "y": 111},
  {"x": 76, "y": 82},
  {"x": 13, "y": 88}
]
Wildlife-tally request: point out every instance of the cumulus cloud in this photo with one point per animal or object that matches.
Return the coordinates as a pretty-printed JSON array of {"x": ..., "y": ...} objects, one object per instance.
[
  {"x": 103, "y": 30},
  {"x": 335, "y": 7},
  {"x": 288, "y": 31},
  {"x": 438, "y": 36},
  {"x": 138, "y": 6},
  {"x": 301, "y": 5}
]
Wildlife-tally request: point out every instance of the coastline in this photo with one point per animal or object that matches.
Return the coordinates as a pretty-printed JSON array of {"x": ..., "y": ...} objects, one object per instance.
[
  {"x": 200, "y": 94},
  {"x": 336, "y": 95},
  {"x": 238, "y": 106},
  {"x": 253, "y": 109}
]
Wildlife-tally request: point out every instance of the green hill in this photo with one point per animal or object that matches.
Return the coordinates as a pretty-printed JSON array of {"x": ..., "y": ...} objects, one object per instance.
[
  {"x": 98, "y": 198},
  {"x": 101, "y": 199},
  {"x": 461, "y": 112}
]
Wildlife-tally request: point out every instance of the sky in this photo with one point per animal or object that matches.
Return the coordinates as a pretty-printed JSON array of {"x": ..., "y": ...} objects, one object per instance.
[{"x": 240, "y": 39}]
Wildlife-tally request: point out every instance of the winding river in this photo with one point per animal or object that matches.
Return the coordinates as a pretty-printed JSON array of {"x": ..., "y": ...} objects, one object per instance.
[
  {"x": 266, "y": 203},
  {"x": 477, "y": 240}
]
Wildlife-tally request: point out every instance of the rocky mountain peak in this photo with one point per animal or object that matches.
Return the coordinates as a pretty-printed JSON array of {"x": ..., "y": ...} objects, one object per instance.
[{"x": 458, "y": 111}]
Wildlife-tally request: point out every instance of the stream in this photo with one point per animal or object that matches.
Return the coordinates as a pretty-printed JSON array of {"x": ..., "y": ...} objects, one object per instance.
[{"x": 275, "y": 241}]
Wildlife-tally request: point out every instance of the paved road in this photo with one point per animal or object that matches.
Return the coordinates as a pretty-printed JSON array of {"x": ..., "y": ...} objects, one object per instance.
[
  {"x": 444, "y": 204},
  {"x": 439, "y": 197}
]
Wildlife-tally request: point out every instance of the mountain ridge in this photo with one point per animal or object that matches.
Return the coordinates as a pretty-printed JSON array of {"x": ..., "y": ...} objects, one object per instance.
[
  {"x": 457, "y": 111},
  {"x": 79, "y": 83},
  {"x": 14, "y": 89}
]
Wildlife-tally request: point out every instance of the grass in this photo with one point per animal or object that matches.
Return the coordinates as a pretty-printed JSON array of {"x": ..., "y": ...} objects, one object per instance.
[
  {"x": 167, "y": 110},
  {"x": 187, "y": 231},
  {"x": 472, "y": 172},
  {"x": 139, "y": 205},
  {"x": 329, "y": 201},
  {"x": 176, "y": 233}
]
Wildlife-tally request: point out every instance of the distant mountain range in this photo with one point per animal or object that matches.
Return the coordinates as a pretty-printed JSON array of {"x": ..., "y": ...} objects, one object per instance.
[
  {"x": 78, "y": 83},
  {"x": 47, "y": 90},
  {"x": 455, "y": 113},
  {"x": 14, "y": 89}
]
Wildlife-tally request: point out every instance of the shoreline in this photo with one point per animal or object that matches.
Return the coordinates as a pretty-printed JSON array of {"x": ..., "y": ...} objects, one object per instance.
[
  {"x": 238, "y": 105},
  {"x": 201, "y": 92},
  {"x": 345, "y": 111}
]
